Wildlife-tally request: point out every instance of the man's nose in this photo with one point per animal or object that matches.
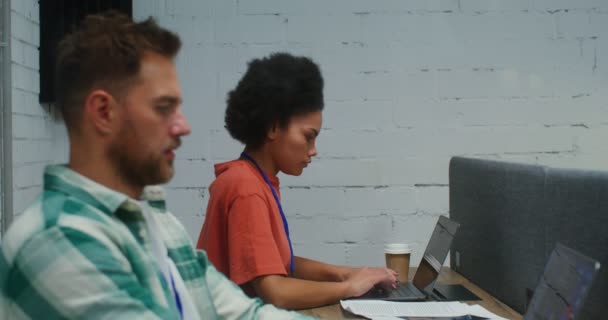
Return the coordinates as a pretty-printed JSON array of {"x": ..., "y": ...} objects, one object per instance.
[{"x": 180, "y": 127}]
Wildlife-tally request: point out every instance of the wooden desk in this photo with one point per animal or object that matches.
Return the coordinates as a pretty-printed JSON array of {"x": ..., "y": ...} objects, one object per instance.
[{"x": 447, "y": 276}]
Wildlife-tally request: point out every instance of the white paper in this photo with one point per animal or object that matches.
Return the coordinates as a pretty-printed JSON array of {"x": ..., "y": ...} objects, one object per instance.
[
  {"x": 477, "y": 310},
  {"x": 378, "y": 309}
]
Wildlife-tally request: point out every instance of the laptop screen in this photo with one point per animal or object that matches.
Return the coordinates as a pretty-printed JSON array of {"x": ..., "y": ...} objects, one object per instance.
[
  {"x": 563, "y": 286},
  {"x": 435, "y": 254}
]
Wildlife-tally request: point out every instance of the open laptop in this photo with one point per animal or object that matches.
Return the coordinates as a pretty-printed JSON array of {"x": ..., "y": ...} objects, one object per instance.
[
  {"x": 564, "y": 285},
  {"x": 426, "y": 275},
  {"x": 562, "y": 289}
]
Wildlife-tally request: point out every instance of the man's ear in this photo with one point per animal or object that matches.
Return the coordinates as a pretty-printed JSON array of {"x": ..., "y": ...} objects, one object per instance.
[{"x": 100, "y": 110}]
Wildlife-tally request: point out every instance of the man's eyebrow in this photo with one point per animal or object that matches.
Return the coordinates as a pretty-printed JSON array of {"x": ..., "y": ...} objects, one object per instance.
[{"x": 168, "y": 99}]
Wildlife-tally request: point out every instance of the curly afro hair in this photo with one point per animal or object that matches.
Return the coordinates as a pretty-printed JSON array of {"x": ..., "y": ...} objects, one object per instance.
[{"x": 272, "y": 91}]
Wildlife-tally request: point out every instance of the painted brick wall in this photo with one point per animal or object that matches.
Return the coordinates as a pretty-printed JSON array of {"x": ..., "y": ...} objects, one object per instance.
[
  {"x": 408, "y": 85},
  {"x": 4, "y": 56},
  {"x": 33, "y": 124}
]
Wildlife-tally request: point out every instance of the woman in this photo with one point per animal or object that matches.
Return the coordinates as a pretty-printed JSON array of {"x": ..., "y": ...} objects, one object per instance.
[{"x": 275, "y": 111}]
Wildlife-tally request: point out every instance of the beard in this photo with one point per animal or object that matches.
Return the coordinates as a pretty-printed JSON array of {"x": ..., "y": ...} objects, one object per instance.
[{"x": 138, "y": 169}]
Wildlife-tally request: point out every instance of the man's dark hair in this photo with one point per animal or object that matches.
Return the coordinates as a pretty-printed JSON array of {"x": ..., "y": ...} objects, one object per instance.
[
  {"x": 273, "y": 90},
  {"x": 105, "y": 52}
]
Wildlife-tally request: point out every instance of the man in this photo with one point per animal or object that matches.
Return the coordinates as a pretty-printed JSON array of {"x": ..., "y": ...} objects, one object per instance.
[{"x": 88, "y": 248}]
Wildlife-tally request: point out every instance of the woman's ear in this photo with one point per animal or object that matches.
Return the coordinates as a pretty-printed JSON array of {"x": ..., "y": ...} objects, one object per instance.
[{"x": 273, "y": 132}]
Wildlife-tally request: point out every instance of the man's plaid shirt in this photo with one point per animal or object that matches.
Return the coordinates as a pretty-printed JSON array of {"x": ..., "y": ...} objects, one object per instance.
[{"x": 82, "y": 251}]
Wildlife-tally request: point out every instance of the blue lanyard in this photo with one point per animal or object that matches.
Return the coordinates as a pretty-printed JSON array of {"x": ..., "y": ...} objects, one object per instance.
[
  {"x": 276, "y": 198},
  {"x": 178, "y": 301}
]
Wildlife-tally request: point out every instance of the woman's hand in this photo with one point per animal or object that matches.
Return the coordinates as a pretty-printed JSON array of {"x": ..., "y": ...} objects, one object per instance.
[{"x": 362, "y": 280}]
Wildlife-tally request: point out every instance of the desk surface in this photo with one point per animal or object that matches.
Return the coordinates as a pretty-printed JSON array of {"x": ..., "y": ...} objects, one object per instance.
[{"x": 447, "y": 276}]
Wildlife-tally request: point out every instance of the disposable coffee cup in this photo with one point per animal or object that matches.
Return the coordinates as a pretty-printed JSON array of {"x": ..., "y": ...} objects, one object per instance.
[{"x": 398, "y": 259}]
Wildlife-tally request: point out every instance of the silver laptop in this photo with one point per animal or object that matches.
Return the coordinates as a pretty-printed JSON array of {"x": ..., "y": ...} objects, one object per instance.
[
  {"x": 430, "y": 266},
  {"x": 564, "y": 285}
]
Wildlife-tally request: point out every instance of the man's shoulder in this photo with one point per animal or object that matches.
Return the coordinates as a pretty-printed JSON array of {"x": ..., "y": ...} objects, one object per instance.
[
  {"x": 28, "y": 224},
  {"x": 50, "y": 212}
]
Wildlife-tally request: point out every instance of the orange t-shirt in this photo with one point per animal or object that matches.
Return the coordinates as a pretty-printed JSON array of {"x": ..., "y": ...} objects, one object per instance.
[{"x": 243, "y": 233}]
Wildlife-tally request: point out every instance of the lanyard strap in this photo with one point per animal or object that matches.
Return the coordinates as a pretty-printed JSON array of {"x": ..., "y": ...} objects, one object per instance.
[
  {"x": 276, "y": 198},
  {"x": 178, "y": 301},
  {"x": 159, "y": 250}
]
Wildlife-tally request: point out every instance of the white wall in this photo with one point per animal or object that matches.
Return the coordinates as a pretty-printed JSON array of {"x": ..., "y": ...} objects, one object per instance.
[
  {"x": 4, "y": 56},
  {"x": 33, "y": 126},
  {"x": 408, "y": 84}
]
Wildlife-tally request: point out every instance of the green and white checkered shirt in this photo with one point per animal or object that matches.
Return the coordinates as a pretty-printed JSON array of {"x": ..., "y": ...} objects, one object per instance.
[{"x": 82, "y": 251}]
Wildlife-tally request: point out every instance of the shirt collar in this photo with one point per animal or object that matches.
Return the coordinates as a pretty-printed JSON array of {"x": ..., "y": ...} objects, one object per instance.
[
  {"x": 63, "y": 179},
  {"x": 155, "y": 196}
]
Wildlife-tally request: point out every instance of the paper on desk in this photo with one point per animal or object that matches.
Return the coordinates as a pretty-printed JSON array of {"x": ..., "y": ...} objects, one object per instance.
[
  {"x": 477, "y": 310},
  {"x": 385, "y": 318},
  {"x": 375, "y": 308}
]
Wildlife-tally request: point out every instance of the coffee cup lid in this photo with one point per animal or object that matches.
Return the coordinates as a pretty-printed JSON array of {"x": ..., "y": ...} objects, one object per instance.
[{"x": 395, "y": 248}]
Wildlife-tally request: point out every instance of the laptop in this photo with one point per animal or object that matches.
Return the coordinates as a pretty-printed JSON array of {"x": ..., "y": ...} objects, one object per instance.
[
  {"x": 562, "y": 288},
  {"x": 564, "y": 285},
  {"x": 421, "y": 287}
]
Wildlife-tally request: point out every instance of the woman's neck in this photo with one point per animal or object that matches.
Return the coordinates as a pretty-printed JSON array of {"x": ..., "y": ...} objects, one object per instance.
[{"x": 263, "y": 158}]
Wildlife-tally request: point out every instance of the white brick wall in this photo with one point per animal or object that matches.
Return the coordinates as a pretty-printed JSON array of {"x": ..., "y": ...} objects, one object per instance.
[
  {"x": 408, "y": 85},
  {"x": 33, "y": 125},
  {"x": 4, "y": 76}
]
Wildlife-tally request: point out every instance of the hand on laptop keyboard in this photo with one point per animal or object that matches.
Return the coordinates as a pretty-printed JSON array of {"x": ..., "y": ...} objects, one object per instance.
[{"x": 362, "y": 280}]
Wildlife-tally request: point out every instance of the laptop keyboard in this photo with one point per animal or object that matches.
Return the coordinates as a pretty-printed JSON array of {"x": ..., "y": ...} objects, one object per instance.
[{"x": 403, "y": 290}]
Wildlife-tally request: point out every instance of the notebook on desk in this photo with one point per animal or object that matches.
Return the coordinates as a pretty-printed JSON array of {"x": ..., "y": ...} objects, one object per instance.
[
  {"x": 426, "y": 275},
  {"x": 563, "y": 286}
]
